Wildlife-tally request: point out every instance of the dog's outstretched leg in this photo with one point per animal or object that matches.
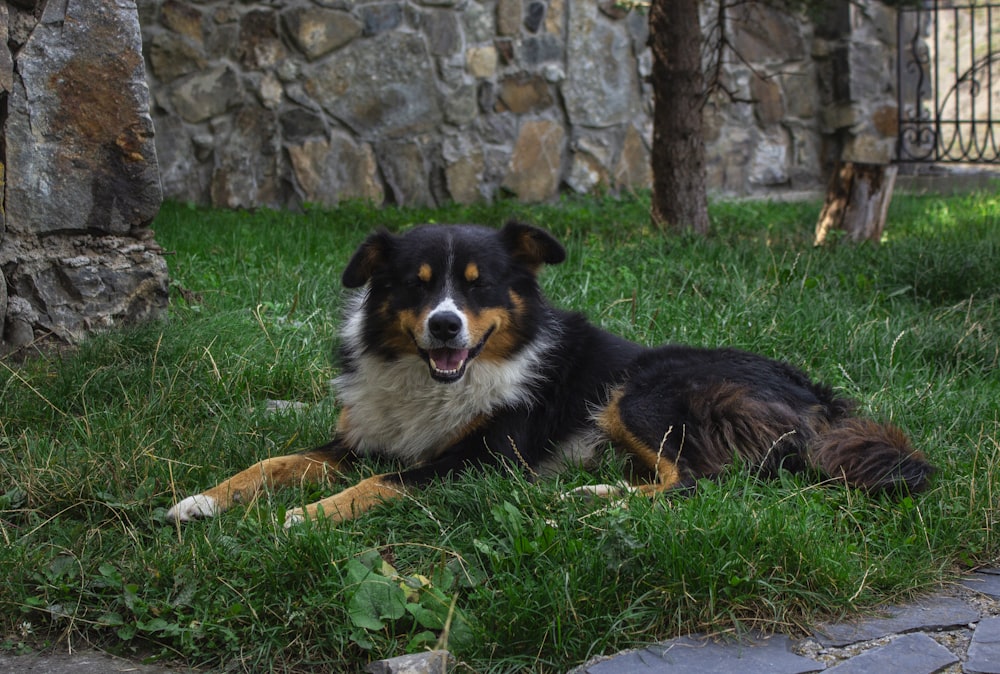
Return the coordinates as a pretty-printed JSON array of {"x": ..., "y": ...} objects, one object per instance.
[
  {"x": 313, "y": 467},
  {"x": 350, "y": 502}
]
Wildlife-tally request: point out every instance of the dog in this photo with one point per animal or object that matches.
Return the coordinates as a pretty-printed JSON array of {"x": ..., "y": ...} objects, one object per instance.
[{"x": 453, "y": 360}]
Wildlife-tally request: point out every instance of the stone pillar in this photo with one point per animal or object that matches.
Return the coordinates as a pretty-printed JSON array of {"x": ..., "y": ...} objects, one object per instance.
[
  {"x": 80, "y": 169},
  {"x": 856, "y": 46}
]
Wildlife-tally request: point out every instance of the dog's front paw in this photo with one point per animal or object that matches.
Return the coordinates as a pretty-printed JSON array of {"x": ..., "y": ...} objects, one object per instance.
[
  {"x": 606, "y": 491},
  {"x": 294, "y": 516},
  {"x": 193, "y": 508}
]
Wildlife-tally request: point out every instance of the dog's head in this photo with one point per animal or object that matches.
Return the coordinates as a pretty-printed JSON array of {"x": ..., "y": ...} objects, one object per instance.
[{"x": 451, "y": 293}]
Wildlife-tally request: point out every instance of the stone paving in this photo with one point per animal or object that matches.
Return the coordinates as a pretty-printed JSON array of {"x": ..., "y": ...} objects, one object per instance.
[{"x": 956, "y": 631}]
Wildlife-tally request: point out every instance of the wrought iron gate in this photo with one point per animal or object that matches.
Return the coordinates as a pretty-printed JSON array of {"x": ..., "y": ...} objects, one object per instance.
[{"x": 948, "y": 82}]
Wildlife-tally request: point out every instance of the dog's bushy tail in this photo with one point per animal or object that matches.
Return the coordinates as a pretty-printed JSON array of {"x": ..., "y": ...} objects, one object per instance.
[{"x": 875, "y": 457}]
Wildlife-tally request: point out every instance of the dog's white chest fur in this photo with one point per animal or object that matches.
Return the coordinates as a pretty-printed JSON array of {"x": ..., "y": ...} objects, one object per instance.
[{"x": 396, "y": 408}]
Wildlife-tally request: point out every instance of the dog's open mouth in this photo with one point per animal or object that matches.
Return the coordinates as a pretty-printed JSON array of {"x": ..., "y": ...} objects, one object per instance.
[{"x": 448, "y": 364}]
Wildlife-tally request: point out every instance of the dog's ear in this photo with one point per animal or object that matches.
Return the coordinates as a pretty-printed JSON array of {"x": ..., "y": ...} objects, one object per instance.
[
  {"x": 530, "y": 245},
  {"x": 368, "y": 258}
]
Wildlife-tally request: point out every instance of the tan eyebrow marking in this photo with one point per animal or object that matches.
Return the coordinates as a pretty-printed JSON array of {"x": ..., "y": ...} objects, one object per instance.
[
  {"x": 471, "y": 272},
  {"x": 424, "y": 273}
]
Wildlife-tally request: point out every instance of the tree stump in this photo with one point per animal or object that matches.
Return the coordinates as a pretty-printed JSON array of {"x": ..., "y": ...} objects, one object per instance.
[{"x": 857, "y": 202}]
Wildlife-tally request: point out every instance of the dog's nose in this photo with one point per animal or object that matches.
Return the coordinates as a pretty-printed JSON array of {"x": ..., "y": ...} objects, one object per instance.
[{"x": 444, "y": 325}]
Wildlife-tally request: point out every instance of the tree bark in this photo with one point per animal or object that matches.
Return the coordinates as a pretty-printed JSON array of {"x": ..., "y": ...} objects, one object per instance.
[
  {"x": 857, "y": 202},
  {"x": 680, "y": 200}
]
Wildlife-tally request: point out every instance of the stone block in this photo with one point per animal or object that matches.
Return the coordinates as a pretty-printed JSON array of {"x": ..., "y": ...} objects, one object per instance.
[
  {"x": 799, "y": 93},
  {"x": 524, "y": 93},
  {"x": 405, "y": 170},
  {"x": 480, "y": 22},
  {"x": 452, "y": 72},
  {"x": 380, "y": 18},
  {"x": 805, "y": 152},
  {"x": 298, "y": 124},
  {"x": 376, "y": 96},
  {"x": 498, "y": 130},
  {"x": 260, "y": 44},
  {"x": 843, "y": 116},
  {"x": 201, "y": 96},
  {"x": 509, "y": 14},
  {"x": 19, "y": 319},
  {"x": 885, "y": 121},
  {"x": 871, "y": 77},
  {"x": 905, "y": 654},
  {"x": 462, "y": 106},
  {"x": 432, "y": 662},
  {"x": 180, "y": 160},
  {"x": 82, "y": 283},
  {"x": 984, "y": 651},
  {"x": 316, "y": 31},
  {"x": 541, "y": 48},
  {"x": 441, "y": 30},
  {"x": 769, "y": 166},
  {"x": 867, "y": 147},
  {"x": 78, "y": 136},
  {"x": 769, "y": 108},
  {"x": 762, "y": 34},
  {"x": 932, "y": 613},
  {"x": 533, "y": 17},
  {"x": 505, "y": 50},
  {"x": 586, "y": 174},
  {"x": 986, "y": 582},
  {"x": 184, "y": 19},
  {"x": 222, "y": 43},
  {"x": 694, "y": 655},
  {"x": 328, "y": 172},
  {"x": 463, "y": 176},
  {"x": 247, "y": 169},
  {"x": 172, "y": 56},
  {"x": 268, "y": 89},
  {"x": 536, "y": 163},
  {"x": 481, "y": 61},
  {"x": 601, "y": 76},
  {"x": 634, "y": 170},
  {"x": 555, "y": 17}
]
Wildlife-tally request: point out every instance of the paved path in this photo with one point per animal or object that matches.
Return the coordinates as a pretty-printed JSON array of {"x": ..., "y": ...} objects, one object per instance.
[{"x": 956, "y": 631}]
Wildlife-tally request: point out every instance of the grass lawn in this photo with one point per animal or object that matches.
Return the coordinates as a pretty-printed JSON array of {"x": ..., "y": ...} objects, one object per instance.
[{"x": 96, "y": 442}]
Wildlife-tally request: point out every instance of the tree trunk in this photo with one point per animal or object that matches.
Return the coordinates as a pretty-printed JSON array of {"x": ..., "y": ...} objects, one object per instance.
[
  {"x": 680, "y": 201},
  {"x": 857, "y": 202}
]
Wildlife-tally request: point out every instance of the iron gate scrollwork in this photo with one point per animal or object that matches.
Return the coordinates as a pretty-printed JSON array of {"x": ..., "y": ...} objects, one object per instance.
[{"x": 948, "y": 82}]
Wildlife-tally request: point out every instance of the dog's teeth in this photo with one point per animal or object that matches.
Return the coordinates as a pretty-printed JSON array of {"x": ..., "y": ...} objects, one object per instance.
[{"x": 443, "y": 371}]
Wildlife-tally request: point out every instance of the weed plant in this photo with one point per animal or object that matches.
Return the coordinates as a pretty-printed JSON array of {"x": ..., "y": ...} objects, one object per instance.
[{"x": 507, "y": 573}]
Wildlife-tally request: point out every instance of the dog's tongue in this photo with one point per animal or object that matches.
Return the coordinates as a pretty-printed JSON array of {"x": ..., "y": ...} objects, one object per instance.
[{"x": 448, "y": 359}]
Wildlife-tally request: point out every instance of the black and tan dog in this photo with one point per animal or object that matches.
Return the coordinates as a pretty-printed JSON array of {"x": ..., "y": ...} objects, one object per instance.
[{"x": 452, "y": 359}]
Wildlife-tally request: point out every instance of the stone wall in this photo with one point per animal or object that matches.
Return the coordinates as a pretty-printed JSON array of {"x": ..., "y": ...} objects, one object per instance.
[
  {"x": 425, "y": 101},
  {"x": 80, "y": 174}
]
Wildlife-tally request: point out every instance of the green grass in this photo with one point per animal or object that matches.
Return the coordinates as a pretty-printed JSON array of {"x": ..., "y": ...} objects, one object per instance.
[{"x": 96, "y": 442}]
